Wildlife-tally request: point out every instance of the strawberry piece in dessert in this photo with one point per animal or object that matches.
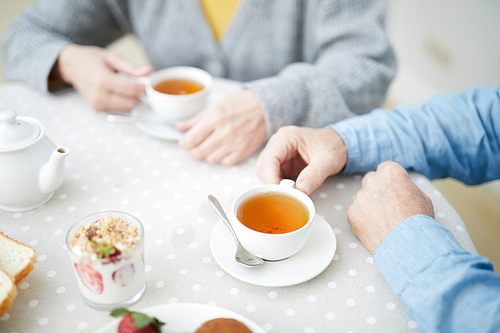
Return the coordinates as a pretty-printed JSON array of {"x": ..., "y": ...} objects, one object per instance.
[
  {"x": 90, "y": 278},
  {"x": 124, "y": 275}
]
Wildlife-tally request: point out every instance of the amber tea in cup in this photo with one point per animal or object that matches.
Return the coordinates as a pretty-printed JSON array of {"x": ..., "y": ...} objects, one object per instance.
[
  {"x": 178, "y": 87},
  {"x": 273, "y": 221},
  {"x": 272, "y": 213}
]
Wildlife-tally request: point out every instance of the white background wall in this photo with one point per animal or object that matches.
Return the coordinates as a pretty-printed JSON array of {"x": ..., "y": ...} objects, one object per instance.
[{"x": 444, "y": 46}]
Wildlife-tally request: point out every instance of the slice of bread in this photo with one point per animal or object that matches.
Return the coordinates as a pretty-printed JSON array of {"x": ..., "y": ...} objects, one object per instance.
[
  {"x": 16, "y": 259},
  {"x": 8, "y": 292}
]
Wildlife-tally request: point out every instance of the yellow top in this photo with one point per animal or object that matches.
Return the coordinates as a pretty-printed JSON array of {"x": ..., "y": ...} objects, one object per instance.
[{"x": 219, "y": 14}]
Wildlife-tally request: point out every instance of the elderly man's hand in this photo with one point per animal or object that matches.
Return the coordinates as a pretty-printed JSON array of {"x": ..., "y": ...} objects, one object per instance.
[
  {"x": 387, "y": 198},
  {"x": 226, "y": 132},
  {"x": 307, "y": 154}
]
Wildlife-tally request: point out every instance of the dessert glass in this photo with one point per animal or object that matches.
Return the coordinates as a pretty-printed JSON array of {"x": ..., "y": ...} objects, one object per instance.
[{"x": 116, "y": 281}]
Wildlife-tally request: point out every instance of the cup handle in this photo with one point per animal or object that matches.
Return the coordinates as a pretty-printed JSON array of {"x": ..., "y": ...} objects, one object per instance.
[
  {"x": 145, "y": 80},
  {"x": 287, "y": 183},
  {"x": 144, "y": 98}
]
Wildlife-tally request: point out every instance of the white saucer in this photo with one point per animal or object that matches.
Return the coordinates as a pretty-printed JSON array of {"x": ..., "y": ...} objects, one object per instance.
[
  {"x": 313, "y": 259},
  {"x": 156, "y": 129}
]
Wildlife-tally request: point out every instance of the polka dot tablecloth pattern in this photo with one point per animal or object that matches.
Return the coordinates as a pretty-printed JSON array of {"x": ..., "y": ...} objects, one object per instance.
[{"x": 115, "y": 166}]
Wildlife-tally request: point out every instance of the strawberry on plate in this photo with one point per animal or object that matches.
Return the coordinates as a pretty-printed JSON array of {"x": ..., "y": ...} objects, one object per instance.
[
  {"x": 136, "y": 322},
  {"x": 90, "y": 278}
]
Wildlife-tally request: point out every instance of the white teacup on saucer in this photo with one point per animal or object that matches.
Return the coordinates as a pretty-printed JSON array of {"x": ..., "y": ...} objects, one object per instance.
[
  {"x": 172, "y": 108},
  {"x": 273, "y": 246}
]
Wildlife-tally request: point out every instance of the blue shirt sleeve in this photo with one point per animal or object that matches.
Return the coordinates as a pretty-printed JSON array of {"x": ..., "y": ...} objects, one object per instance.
[
  {"x": 452, "y": 135},
  {"x": 445, "y": 288}
]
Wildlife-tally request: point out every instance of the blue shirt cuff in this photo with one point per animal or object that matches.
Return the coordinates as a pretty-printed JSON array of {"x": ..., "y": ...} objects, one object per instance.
[
  {"x": 368, "y": 143},
  {"x": 410, "y": 248}
]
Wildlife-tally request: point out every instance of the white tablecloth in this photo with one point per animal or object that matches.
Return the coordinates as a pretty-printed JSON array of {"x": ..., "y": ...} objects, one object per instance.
[{"x": 115, "y": 166}]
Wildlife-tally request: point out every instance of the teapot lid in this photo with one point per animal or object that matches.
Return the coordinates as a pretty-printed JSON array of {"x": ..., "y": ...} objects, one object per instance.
[{"x": 16, "y": 131}]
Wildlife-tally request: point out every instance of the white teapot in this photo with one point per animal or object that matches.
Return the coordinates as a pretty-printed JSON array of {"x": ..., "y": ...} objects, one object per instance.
[{"x": 31, "y": 167}]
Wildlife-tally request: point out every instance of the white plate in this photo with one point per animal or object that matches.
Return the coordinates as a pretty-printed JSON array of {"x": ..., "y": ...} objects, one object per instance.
[
  {"x": 156, "y": 129},
  {"x": 187, "y": 317},
  {"x": 309, "y": 262}
]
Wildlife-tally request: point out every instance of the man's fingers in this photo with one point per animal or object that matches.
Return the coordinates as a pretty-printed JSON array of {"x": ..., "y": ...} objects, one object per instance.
[
  {"x": 367, "y": 177},
  {"x": 268, "y": 169},
  {"x": 312, "y": 176},
  {"x": 274, "y": 155}
]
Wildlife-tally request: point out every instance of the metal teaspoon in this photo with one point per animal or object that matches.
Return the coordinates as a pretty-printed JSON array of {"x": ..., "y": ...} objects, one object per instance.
[{"x": 242, "y": 255}]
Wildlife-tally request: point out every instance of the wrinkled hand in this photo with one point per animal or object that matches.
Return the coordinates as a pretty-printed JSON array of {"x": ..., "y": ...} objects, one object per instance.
[
  {"x": 93, "y": 72},
  {"x": 306, "y": 154},
  {"x": 387, "y": 198},
  {"x": 225, "y": 132}
]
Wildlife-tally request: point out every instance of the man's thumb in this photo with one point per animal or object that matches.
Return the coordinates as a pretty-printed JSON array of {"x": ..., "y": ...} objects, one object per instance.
[{"x": 310, "y": 178}]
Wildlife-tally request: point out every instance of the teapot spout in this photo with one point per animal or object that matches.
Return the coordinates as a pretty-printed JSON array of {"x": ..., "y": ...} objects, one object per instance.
[{"x": 52, "y": 173}]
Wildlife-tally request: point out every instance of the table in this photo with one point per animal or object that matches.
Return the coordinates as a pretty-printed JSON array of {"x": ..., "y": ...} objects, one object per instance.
[{"x": 115, "y": 166}]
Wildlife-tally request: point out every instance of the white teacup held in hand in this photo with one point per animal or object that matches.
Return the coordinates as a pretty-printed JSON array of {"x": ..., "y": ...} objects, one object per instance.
[
  {"x": 172, "y": 108},
  {"x": 273, "y": 246}
]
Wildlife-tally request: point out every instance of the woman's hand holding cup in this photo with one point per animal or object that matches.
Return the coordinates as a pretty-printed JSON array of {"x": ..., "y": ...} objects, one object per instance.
[{"x": 94, "y": 73}]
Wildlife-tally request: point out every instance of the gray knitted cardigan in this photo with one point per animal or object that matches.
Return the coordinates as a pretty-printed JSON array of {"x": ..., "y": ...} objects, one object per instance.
[{"x": 310, "y": 62}]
